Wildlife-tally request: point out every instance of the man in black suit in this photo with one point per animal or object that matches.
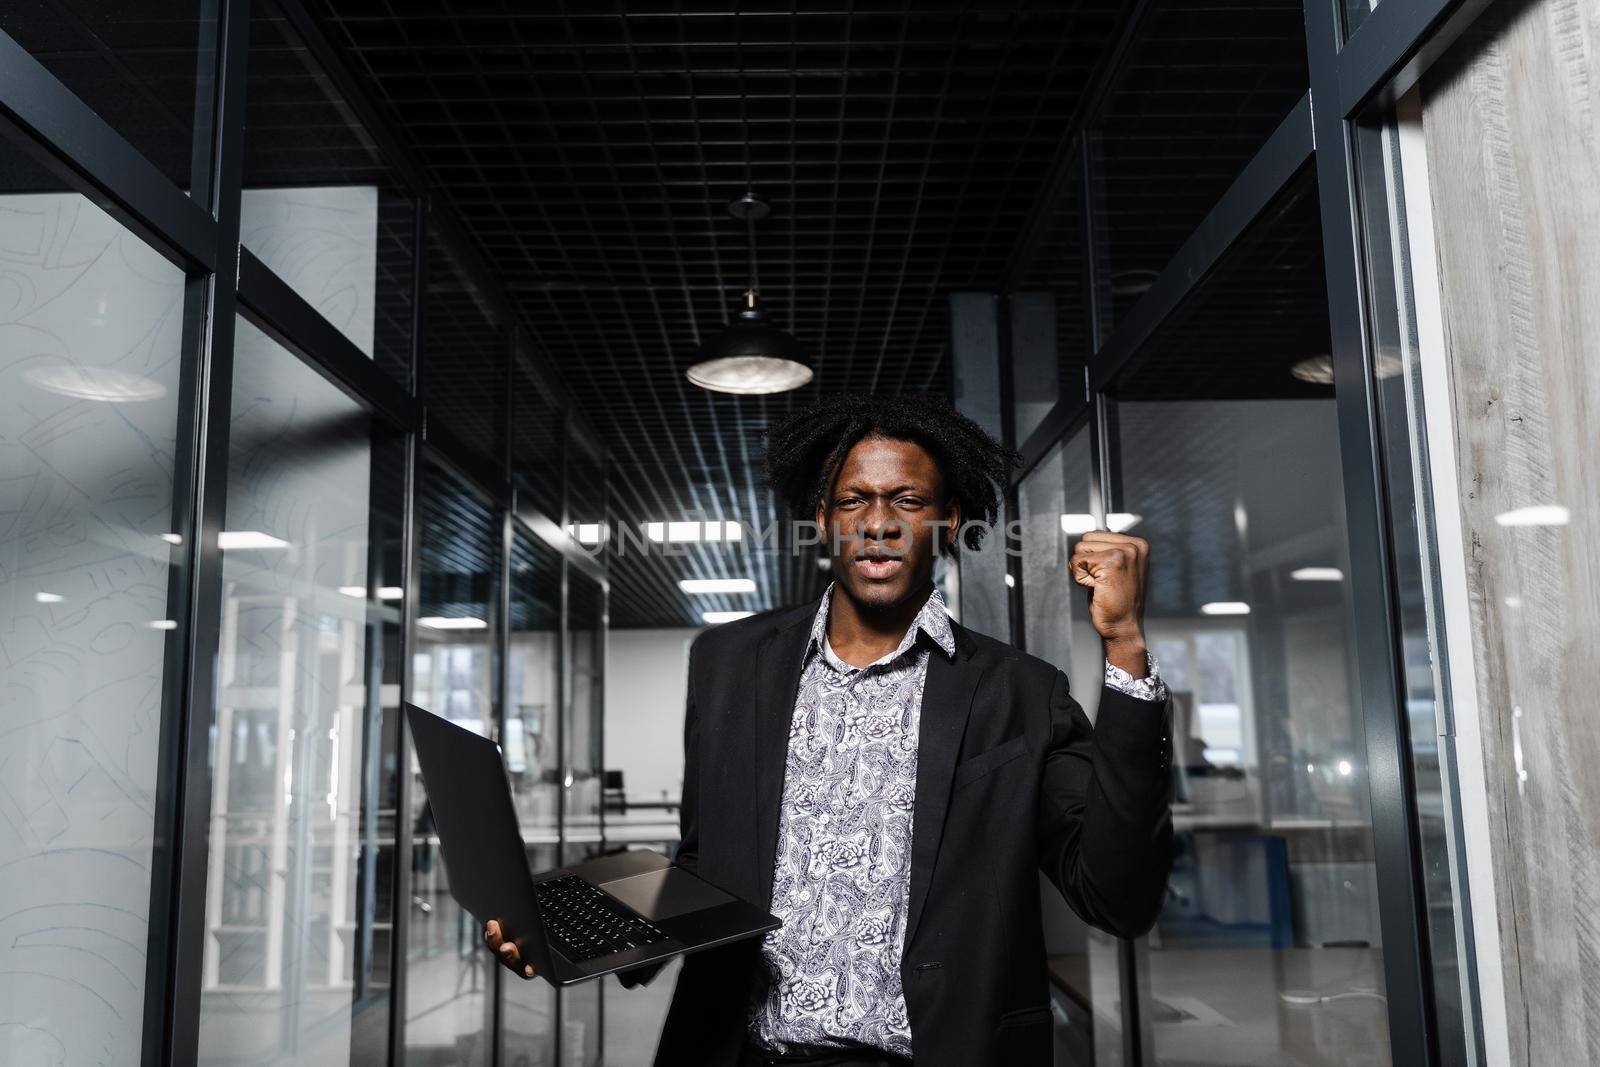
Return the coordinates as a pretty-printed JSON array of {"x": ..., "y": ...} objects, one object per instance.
[{"x": 888, "y": 782}]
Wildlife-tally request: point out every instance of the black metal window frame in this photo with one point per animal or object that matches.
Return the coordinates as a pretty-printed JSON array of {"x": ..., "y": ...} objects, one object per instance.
[
  {"x": 1377, "y": 64},
  {"x": 200, "y": 234}
]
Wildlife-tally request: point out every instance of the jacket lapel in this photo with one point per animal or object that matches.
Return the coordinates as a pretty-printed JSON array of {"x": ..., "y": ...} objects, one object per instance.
[
  {"x": 777, "y": 677},
  {"x": 946, "y": 703}
]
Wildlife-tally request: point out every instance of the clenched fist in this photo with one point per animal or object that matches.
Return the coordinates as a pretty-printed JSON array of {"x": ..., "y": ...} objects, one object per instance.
[{"x": 1113, "y": 568}]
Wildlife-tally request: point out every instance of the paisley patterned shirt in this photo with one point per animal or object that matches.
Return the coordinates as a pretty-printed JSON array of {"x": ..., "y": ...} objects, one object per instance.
[{"x": 842, "y": 873}]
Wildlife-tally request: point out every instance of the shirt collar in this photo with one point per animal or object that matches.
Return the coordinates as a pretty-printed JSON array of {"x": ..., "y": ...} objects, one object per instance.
[{"x": 933, "y": 619}]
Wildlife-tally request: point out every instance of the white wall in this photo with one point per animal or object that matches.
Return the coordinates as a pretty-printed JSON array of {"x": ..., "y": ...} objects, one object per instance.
[{"x": 646, "y": 682}]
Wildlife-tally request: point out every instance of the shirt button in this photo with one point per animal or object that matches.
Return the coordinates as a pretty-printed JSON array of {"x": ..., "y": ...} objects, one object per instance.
[{"x": 823, "y": 818}]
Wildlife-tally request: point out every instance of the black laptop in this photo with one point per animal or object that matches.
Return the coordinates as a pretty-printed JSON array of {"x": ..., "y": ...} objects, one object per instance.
[{"x": 608, "y": 914}]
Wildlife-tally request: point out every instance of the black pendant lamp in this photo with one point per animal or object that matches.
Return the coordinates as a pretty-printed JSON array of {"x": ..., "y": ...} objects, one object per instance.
[{"x": 751, "y": 356}]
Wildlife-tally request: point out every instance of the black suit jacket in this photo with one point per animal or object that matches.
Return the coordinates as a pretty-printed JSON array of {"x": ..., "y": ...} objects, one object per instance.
[{"x": 1011, "y": 778}]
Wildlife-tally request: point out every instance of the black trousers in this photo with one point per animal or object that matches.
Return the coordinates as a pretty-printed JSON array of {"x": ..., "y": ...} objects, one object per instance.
[{"x": 755, "y": 1056}]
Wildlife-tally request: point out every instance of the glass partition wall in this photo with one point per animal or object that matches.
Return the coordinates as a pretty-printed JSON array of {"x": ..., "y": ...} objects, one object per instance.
[
  {"x": 1317, "y": 911},
  {"x": 232, "y": 551}
]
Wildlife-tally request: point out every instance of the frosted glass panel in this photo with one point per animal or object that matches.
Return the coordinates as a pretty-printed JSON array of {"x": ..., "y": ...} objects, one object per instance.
[
  {"x": 293, "y": 698},
  {"x": 89, "y": 382}
]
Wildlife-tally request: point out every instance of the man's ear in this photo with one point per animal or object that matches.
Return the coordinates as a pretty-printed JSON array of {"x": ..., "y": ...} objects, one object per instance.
[{"x": 952, "y": 513}]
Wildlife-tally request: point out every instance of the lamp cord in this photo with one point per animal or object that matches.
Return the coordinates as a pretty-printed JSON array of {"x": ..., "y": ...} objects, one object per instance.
[{"x": 750, "y": 232}]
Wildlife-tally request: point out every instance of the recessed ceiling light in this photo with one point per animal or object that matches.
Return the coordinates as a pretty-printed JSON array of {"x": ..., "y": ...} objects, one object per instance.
[
  {"x": 94, "y": 383},
  {"x": 172, "y": 539},
  {"x": 231, "y": 539},
  {"x": 436, "y": 622},
  {"x": 48, "y": 598},
  {"x": 1011, "y": 581},
  {"x": 1121, "y": 521},
  {"x": 1225, "y": 607},
  {"x": 1081, "y": 522},
  {"x": 717, "y": 585},
  {"x": 689, "y": 531},
  {"x": 163, "y": 624},
  {"x": 1317, "y": 574},
  {"x": 714, "y": 617},
  {"x": 390, "y": 592},
  {"x": 357, "y": 591},
  {"x": 1535, "y": 515},
  {"x": 1318, "y": 370}
]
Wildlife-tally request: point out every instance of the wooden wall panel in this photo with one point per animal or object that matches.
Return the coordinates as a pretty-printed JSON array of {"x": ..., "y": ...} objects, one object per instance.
[{"x": 1512, "y": 126}]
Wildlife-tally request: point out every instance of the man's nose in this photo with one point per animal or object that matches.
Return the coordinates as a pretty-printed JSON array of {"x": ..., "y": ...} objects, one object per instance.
[{"x": 881, "y": 523}]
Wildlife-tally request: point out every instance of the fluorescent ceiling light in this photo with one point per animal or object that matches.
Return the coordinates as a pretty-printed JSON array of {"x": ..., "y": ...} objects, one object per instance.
[
  {"x": 1317, "y": 574},
  {"x": 714, "y": 617},
  {"x": 1225, "y": 607},
  {"x": 1081, "y": 522},
  {"x": 163, "y": 624},
  {"x": 1536, "y": 515},
  {"x": 1121, "y": 521},
  {"x": 172, "y": 539},
  {"x": 436, "y": 622},
  {"x": 385, "y": 592},
  {"x": 94, "y": 383},
  {"x": 694, "y": 531},
  {"x": 229, "y": 539},
  {"x": 718, "y": 585},
  {"x": 49, "y": 598}
]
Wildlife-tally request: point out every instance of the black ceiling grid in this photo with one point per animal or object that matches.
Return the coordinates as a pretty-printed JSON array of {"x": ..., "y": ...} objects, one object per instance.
[{"x": 590, "y": 150}]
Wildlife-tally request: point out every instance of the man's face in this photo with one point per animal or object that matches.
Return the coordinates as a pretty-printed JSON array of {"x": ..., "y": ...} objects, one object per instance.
[{"x": 885, "y": 516}]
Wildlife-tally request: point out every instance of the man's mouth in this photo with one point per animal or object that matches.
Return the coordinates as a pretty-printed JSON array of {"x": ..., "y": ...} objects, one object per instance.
[{"x": 878, "y": 568}]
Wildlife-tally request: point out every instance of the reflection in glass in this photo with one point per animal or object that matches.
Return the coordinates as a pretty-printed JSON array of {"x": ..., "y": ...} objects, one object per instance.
[
  {"x": 464, "y": 356},
  {"x": 294, "y": 703},
  {"x": 1272, "y": 915},
  {"x": 1268, "y": 948},
  {"x": 450, "y": 980},
  {"x": 145, "y": 68},
  {"x": 532, "y": 749},
  {"x": 1055, "y": 502},
  {"x": 1355, "y": 13},
  {"x": 538, "y": 444},
  {"x": 319, "y": 206},
  {"x": 1050, "y": 340},
  {"x": 583, "y": 832},
  {"x": 90, "y": 426},
  {"x": 1204, "y": 86}
]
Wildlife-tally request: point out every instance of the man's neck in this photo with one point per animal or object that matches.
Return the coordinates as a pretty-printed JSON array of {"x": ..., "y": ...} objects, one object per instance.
[{"x": 861, "y": 637}]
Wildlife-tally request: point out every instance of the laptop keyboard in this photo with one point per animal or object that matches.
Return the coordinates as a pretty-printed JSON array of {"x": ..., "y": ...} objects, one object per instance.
[{"x": 582, "y": 923}]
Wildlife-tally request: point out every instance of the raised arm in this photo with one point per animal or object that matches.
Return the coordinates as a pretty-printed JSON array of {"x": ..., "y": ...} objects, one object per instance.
[{"x": 1105, "y": 821}]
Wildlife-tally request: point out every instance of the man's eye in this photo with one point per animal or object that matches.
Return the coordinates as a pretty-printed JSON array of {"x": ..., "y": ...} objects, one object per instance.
[{"x": 909, "y": 502}]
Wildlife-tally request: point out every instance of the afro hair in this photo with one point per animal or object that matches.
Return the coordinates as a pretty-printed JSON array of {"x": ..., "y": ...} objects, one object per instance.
[{"x": 805, "y": 449}]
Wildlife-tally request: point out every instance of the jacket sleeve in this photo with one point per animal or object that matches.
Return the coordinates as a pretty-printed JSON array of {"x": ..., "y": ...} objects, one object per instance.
[{"x": 1105, "y": 808}]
